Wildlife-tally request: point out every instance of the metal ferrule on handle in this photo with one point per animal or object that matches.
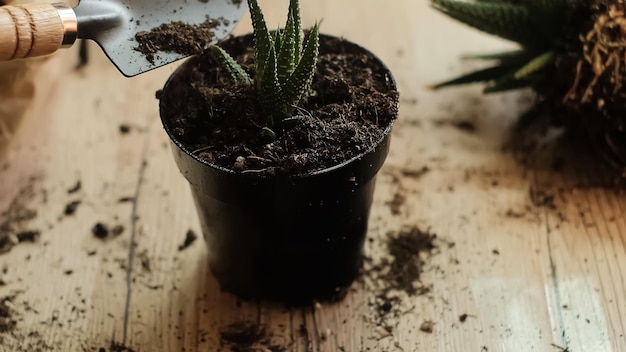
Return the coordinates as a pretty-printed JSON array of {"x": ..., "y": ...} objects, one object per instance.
[
  {"x": 70, "y": 24},
  {"x": 32, "y": 30}
]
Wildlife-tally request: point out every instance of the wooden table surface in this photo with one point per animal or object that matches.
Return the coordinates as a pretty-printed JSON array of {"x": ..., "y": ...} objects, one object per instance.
[{"x": 539, "y": 255}]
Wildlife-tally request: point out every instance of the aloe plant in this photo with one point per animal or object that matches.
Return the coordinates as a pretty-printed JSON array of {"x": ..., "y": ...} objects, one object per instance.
[
  {"x": 539, "y": 26},
  {"x": 572, "y": 55},
  {"x": 285, "y": 64}
]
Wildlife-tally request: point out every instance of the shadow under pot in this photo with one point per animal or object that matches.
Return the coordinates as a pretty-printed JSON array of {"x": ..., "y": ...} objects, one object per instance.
[{"x": 283, "y": 235}]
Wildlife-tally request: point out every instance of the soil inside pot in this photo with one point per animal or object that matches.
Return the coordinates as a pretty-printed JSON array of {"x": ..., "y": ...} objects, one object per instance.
[{"x": 351, "y": 104}]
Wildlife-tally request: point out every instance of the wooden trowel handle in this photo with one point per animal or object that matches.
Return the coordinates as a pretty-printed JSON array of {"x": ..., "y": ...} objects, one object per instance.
[{"x": 35, "y": 29}]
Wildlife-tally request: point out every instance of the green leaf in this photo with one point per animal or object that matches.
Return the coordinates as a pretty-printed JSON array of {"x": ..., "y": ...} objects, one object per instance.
[
  {"x": 508, "y": 57},
  {"x": 294, "y": 10},
  {"x": 286, "y": 62},
  {"x": 484, "y": 75},
  {"x": 270, "y": 93},
  {"x": 298, "y": 85},
  {"x": 234, "y": 70},
  {"x": 509, "y": 21},
  {"x": 278, "y": 39},
  {"x": 262, "y": 39},
  {"x": 509, "y": 83},
  {"x": 535, "y": 65}
]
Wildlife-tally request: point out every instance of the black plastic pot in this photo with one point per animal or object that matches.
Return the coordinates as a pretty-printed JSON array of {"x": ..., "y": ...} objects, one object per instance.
[{"x": 288, "y": 239}]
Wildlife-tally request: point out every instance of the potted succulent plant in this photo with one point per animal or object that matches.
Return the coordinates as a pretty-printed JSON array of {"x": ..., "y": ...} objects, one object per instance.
[{"x": 281, "y": 135}]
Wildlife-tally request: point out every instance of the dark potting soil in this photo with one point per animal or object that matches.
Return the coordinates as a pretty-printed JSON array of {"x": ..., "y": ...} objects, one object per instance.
[
  {"x": 248, "y": 337},
  {"x": 406, "y": 265},
  {"x": 351, "y": 104},
  {"x": 70, "y": 208},
  {"x": 176, "y": 37},
  {"x": 75, "y": 188},
  {"x": 7, "y": 321},
  {"x": 14, "y": 221},
  {"x": 190, "y": 238},
  {"x": 119, "y": 347},
  {"x": 399, "y": 271}
]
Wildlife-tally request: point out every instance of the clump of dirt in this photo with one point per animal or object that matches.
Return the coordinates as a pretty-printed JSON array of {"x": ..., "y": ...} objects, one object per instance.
[
  {"x": 14, "y": 221},
  {"x": 7, "y": 321},
  {"x": 124, "y": 128},
  {"x": 103, "y": 231},
  {"x": 70, "y": 208},
  {"x": 542, "y": 198},
  {"x": 396, "y": 276},
  {"x": 248, "y": 337},
  {"x": 352, "y": 103},
  {"x": 396, "y": 203},
  {"x": 119, "y": 347},
  {"x": 100, "y": 230},
  {"x": 190, "y": 238},
  {"x": 427, "y": 326},
  {"x": 75, "y": 188},
  {"x": 12, "y": 336},
  {"x": 406, "y": 265},
  {"x": 176, "y": 37}
]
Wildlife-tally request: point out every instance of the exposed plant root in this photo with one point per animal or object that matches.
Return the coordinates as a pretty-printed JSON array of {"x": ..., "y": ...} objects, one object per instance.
[{"x": 604, "y": 50}]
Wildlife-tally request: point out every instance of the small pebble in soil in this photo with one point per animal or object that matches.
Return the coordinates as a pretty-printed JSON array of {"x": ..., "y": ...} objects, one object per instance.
[
  {"x": 100, "y": 230},
  {"x": 117, "y": 230},
  {"x": 70, "y": 208},
  {"x": 427, "y": 326},
  {"x": 190, "y": 238},
  {"x": 28, "y": 236}
]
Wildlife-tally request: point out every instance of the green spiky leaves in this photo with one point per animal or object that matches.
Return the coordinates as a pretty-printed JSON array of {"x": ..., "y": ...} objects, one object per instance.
[
  {"x": 284, "y": 64},
  {"x": 537, "y": 25}
]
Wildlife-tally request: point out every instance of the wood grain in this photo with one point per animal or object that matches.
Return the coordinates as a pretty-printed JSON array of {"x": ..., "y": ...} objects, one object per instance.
[
  {"x": 29, "y": 30},
  {"x": 529, "y": 275}
]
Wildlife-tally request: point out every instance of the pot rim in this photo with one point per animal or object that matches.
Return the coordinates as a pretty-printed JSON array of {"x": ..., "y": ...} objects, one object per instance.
[{"x": 330, "y": 169}]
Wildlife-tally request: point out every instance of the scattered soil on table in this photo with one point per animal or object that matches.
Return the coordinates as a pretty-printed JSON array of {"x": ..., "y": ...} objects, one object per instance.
[
  {"x": 176, "y": 37},
  {"x": 144, "y": 259},
  {"x": 7, "y": 321},
  {"x": 396, "y": 203},
  {"x": 124, "y": 129},
  {"x": 248, "y": 337},
  {"x": 463, "y": 125},
  {"x": 406, "y": 266},
  {"x": 75, "y": 188},
  {"x": 541, "y": 198},
  {"x": 427, "y": 326},
  {"x": 119, "y": 347},
  {"x": 100, "y": 230},
  {"x": 70, "y": 208},
  {"x": 14, "y": 221},
  {"x": 11, "y": 335},
  {"x": 396, "y": 276},
  {"x": 190, "y": 238},
  {"x": 351, "y": 104}
]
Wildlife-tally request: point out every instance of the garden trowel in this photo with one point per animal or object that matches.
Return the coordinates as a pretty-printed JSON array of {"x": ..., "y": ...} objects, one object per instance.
[{"x": 31, "y": 30}]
